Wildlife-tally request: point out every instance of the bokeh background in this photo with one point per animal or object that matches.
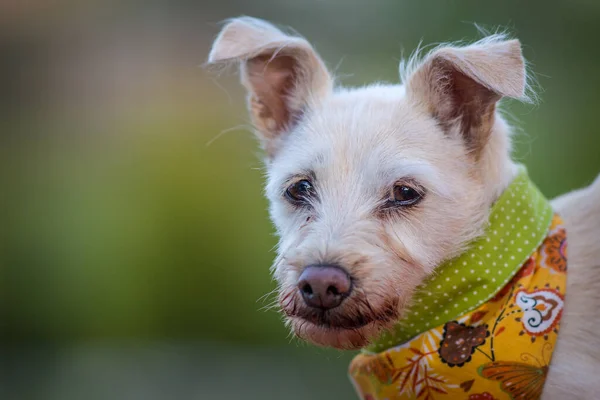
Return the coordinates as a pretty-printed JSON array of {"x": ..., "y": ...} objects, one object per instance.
[{"x": 134, "y": 238}]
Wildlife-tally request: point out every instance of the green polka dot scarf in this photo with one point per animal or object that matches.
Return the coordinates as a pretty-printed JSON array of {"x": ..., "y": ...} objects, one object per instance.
[{"x": 517, "y": 225}]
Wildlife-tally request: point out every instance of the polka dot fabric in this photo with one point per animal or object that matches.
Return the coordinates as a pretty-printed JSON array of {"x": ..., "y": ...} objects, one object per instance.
[{"x": 518, "y": 223}]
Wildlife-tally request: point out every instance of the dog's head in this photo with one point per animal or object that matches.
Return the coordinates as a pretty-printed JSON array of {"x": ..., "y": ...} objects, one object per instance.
[{"x": 371, "y": 188}]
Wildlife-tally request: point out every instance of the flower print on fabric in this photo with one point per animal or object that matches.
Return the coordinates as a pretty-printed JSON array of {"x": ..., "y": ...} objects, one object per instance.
[
  {"x": 542, "y": 310},
  {"x": 460, "y": 341},
  {"x": 554, "y": 251}
]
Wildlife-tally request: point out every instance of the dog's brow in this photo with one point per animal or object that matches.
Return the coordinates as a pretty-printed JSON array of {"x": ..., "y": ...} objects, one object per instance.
[
  {"x": 403, "y": 168},
  {"x": 419, "y": 170},
  {"x": 308, "y": 173}
]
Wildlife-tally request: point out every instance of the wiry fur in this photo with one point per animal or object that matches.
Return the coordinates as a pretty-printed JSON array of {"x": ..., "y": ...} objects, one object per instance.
[{"x": 439, "y": 130}]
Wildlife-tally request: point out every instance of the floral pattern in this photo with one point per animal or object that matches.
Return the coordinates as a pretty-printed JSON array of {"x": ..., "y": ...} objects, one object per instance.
[
  {"x": 554, "y": 251},
  {"x": 460, "y": 341},
  {"x": 542, "y": 310}
]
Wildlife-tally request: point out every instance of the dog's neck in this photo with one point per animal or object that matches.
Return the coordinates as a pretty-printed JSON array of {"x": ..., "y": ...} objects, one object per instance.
[
  {"x": 517, "y": 224},
  {"x": 497, "y": 170}
]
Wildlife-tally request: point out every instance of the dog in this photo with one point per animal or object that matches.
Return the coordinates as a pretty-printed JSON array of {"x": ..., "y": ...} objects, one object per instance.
[{"x": 373, "y": 189}]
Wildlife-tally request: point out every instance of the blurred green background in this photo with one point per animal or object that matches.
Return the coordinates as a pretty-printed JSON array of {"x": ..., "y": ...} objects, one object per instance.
[{"x": 134, "y": 248}]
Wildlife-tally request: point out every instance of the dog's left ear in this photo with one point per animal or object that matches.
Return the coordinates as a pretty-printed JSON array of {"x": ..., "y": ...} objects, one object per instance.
[{"x": 461, "y": 86}]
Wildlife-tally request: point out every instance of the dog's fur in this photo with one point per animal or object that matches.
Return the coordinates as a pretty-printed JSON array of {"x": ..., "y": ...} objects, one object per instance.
[{"x": 438, "y": 131}]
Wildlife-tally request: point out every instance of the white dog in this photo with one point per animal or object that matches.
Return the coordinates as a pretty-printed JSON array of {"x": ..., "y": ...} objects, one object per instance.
[{"x": 373, "y": 188}]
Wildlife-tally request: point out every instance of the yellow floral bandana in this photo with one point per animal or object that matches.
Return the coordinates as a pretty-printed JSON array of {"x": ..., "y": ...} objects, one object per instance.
[{"x": 501, "y": 349}]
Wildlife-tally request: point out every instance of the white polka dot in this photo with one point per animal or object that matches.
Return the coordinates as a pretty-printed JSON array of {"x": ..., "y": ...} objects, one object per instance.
[
  {"x": 480, "y": 263},
  {"x": 494, "y": 263},
  {"x": 512, "y": 257},
  {"x": 508, "y": 217},
  {"x": 420, "y": 300},
  {"x": 526, "y": 241},
  {"x": 447, "y": 279},
  {"x": 437, "y": 317},
  {"x": 520, "y": 250},
  {"x": 502, "y": 225},
  {"x": 478, "y": 278},
  {"x": 464, "y": 263},
  {"x": 493, "y": 279},
  {"x": 488, "y": 255},
  {"x": 463, "y": 279},
  {"x": 445, "y": 311},
  {"x": 499, "y": 272},
  {"x": 472, "y": 271},
  {"x": 487, "y": 239},
  {"x": 426, "y": 307},
  {"x": 475, "y": 292},
  {"x": 518, "y": 234},
  {"x": 487, "y": 271},
  {"x": 466, "y": 299},
  {"x": 456, "y": 305},
  {"x": 456, "y": 271},
  {"x": 439, "y": 286},
  {"x": 495, "y": 232},
  {"x": 505, "y": 265},
  {"x": 512, "y": 242},
  {"x": 485, "y": 286},
  {"x": 454, "y": 287},
  {"x": 428, "y": 293},
  {"x": 472, "y": 255}
]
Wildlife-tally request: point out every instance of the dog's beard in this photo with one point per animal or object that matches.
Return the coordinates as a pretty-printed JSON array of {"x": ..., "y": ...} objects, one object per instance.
[{"x": 351, "y": 325}]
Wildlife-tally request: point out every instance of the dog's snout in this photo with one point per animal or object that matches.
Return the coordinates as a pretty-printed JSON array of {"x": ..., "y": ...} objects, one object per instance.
[{"x": 324, "y": 286}]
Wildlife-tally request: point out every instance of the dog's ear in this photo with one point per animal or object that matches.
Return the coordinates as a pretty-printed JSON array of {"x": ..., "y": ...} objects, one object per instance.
[
  {"x": 283, "y": 74},
  {"x": 460, "y": 86}
]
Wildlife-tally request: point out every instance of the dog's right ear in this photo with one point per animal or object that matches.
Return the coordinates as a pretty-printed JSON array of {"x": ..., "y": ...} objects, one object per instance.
[{"x": 283, "y": 74}]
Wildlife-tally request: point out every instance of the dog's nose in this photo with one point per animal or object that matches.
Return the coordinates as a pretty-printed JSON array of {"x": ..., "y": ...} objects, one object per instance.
[{"x": 324, "y": 286}]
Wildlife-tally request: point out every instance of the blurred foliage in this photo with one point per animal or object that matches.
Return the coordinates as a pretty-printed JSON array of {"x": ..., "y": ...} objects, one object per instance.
[{"x": 123, "y": 220}]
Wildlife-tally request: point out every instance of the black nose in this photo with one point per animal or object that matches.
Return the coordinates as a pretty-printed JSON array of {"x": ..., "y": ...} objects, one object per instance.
[{"x": 324, "y": 286}]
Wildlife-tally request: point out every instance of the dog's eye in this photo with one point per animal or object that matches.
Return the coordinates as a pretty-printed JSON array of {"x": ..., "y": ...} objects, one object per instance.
[
  {"x": 299, "y": 192},
  {"x": 405, "y": 195}
]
